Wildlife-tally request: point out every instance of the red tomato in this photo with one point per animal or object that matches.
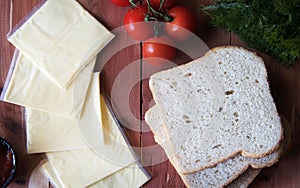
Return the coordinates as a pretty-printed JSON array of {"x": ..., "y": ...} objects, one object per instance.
[
  {"x": 183, "y": 18},
  {"x": 166, "y": 5},
  {"x": 121, "y": 3},
  {"x": 135, "y": 25},
  {"x": 158, "y": 50}
]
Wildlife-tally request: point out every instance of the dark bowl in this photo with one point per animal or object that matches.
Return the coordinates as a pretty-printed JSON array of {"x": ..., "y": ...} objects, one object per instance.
[{"x": 8, "y": 163}]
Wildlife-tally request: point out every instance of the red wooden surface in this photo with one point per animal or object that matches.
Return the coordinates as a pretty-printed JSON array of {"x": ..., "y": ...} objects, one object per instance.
[{"x": 284, "y": 83}]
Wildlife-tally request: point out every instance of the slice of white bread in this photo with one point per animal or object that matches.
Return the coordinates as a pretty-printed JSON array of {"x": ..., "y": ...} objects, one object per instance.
[
  {"x": 212, "y": 177},
  {"x": 218, "y": 176},
  {"x": 244, "y": 180},
  {"x": 223, "y": 101}
]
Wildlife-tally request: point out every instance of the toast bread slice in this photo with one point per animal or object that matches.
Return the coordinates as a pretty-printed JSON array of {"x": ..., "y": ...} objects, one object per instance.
[
  {"x": 217, "y": 100},
  {"x": 222, "y": 173},
  {"x": 244, "y": 180}
]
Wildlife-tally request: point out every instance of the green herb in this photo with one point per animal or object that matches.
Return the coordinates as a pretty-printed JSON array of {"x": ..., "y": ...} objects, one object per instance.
[{"x": 271, "y": 26}]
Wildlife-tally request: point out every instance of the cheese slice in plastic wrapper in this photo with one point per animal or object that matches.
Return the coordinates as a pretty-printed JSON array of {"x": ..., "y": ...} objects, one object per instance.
[
  {"x": 132, "y": 176},
  {"x": 46, "y": 132},
  {"x": 27, "y": 86},
  {"x": 60, "y": 38},
  {"x": 80, "y": 168}
]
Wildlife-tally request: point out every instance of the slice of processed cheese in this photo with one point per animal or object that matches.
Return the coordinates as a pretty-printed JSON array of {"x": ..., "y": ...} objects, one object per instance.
[
  {"x": 90, "y": 122},
  {"x": 60, "y": 38},
  {"x": 48, "y": 132},
  {"x": 29, "y": 87},
  {"x": 48, "y": 172},
  {"x": 113, "y": 138},
  {"x": 80, "y": 168},
  {"x": 129, "y": 177}
]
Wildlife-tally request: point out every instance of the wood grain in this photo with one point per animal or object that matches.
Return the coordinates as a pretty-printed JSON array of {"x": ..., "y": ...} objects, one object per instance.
[
  {"x": 283, "y": 84},
  {"x": 126, "y": 80},
  {"x": 11, "y": 121}
]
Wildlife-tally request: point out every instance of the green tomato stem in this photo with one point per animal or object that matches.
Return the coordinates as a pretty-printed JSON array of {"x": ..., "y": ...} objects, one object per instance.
[
  {"x": 161, "y": 4},
  {"x": 132, "y": 3},
  {"x": 153, "y": 15}
]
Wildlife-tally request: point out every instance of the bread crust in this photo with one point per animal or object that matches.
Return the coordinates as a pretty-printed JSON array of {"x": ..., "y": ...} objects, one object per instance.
[
  {"x": 239, "y": 151},
  {"x": 152, "y": 118},
  {"x": 244, "y": 180}
]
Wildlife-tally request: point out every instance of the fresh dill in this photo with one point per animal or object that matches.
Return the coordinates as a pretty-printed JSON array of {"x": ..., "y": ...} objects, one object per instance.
[{"x": 271, "y": 26}]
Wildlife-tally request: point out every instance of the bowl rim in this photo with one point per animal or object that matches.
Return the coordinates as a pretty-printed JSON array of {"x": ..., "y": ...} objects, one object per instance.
[{"x": 13, "y": 171}]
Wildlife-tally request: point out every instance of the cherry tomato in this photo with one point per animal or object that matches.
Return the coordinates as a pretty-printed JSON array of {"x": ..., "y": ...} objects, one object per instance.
[
  {"x": 183, "y": 18},
  {"x": 135, "y": 25},
  {"x": 121, "y": 3},
  {"x": 158, "y": 51},
  {"x": 166, "y": 4}
]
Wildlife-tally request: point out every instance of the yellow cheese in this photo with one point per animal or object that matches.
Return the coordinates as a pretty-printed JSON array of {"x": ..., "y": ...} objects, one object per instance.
[
  {"x": 129, "y": 177},
  {"x": 90, "y": 121},
  {"x": 29, "y": 87},
  {"x": 61, "y": 38},
  {"x": 48, "y": 172},
  {"x": 49, "y": 132},
  {"x": 80, "y": 168}
]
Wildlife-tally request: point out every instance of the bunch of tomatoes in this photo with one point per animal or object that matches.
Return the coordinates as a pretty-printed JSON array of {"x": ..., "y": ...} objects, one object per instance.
[{"x": 159, "y": 24}]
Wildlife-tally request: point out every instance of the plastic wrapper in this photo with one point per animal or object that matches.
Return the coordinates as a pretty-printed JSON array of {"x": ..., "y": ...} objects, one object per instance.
[
  {"x": 48, "y": 132},
  {"x": 43, "y": 77},
  {"x": 101, "y": 163},
  {"x": 60, "y": 38},
  {"x": 114, "y": 161},
  {"x": 27, "y": 86},
  {"x": 96, "y": 163},
  {"x": 129, "y": 177}
]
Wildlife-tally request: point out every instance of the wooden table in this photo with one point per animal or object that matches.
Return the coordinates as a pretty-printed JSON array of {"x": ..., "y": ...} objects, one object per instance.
[{"x": 284, "y": 83}]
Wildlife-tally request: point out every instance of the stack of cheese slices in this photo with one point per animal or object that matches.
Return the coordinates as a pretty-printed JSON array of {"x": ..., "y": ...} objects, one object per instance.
[
  {"x": 51, "y": 75},
  {"x": 216, "y": 119}
]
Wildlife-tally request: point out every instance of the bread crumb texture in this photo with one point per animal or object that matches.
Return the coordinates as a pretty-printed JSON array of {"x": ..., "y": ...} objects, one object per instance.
[
  {"x": 222, "y": 101},
  {"x": 219, "y": 175}
]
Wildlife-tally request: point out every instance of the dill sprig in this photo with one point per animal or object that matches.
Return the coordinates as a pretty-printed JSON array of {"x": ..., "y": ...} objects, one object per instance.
[{"x": 271, "y": 26}]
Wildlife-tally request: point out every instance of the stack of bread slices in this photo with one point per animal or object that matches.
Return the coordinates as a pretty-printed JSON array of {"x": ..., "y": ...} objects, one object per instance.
[{"x": 216, "y": 119}]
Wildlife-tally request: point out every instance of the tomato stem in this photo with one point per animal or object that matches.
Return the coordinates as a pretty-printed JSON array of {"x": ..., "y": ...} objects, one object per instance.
[
  {"x": 156, "y": 12},
  {"x": 149, "y": 18},
  {"x": 153, "y": 15},
  {"x": 132, "y": 3},
  {"x": 149, "y": 6},
  {"x": 153, "y": 12},
  {"x": 161, "y": 4},
  {"x": 168, "y": 18}
]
